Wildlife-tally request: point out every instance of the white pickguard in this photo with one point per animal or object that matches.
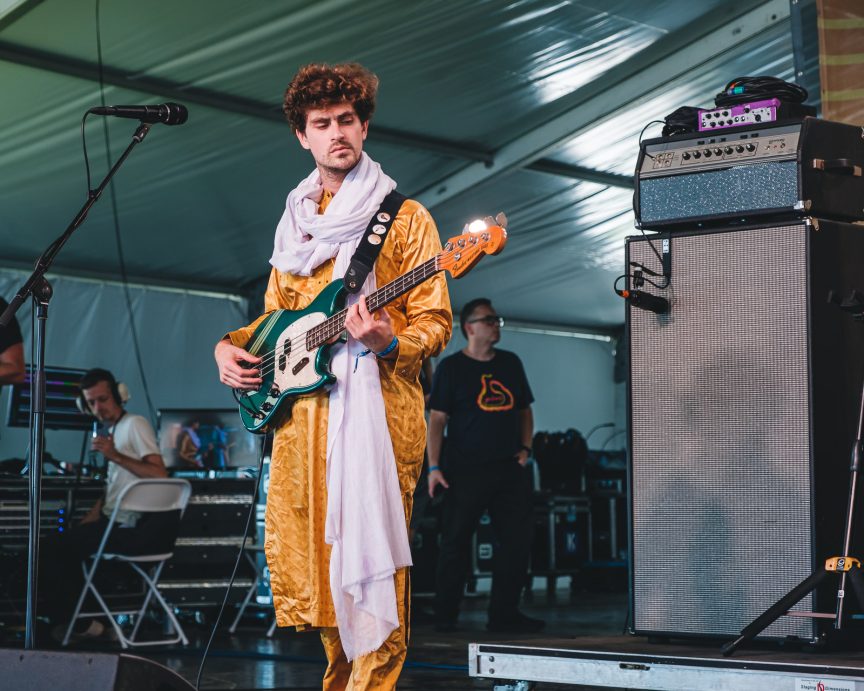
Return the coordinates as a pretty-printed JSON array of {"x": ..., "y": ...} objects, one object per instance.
[{"x": 297, "y": 369}]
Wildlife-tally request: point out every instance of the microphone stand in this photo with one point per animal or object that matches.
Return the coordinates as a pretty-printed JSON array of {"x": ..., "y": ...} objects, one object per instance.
[{"x": 39, "y": 288}]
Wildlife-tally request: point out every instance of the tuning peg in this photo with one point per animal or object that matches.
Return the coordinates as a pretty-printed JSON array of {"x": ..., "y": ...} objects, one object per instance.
[{"x": 501, "y": 219}]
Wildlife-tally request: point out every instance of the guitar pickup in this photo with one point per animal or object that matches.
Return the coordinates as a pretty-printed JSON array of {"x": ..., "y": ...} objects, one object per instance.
[
  {"x": 300, "y": 365},
  {"x": 283, "y": 358}
]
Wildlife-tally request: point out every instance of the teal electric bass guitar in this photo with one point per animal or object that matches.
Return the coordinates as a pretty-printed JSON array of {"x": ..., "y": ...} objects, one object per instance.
[{"x": 294, "y": 345}]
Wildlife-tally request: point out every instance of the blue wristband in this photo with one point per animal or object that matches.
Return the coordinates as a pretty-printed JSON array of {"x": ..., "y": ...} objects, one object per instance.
[
  {"x": 389, "y": 349},
  {"x": 434, "y": 467}
]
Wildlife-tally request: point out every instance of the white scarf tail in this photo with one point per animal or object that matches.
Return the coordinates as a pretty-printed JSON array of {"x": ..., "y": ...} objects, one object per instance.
[{"x": 365, "y": 516}]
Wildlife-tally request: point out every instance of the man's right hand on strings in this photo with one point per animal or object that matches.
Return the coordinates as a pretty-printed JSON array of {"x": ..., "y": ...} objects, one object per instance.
[{"x": 231, "y": 372}]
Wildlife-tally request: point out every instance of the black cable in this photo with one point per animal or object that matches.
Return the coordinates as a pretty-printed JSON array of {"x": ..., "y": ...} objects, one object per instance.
[
  {"x": 120, "y": 257},
  {"x": 682, "y": 120},
  {"x": 652, "y": 122},
  {"x": 236, "y": 566},
  {"x": 648, "y": 271},
  {"x": 659, "y": 259},
  {"x": 86, "y": 158},
  {"x": 747, "y": 89}
]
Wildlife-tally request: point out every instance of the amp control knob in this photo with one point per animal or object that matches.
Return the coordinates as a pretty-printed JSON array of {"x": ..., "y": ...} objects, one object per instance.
[
  {"x": 686, "y": 156},
  {"x": 739, "y": 149},
  {"x": 718, "y": 151},
  {"x": 751, "y": 147},
  {"x": 728, "y": 149}
]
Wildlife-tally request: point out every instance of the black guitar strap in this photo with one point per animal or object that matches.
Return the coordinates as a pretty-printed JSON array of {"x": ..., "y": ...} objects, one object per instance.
[{"x": 373, "y": 239}]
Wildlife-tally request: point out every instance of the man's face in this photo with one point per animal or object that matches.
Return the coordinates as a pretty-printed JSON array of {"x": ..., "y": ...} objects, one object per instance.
[
  {"x": 335, "y": 137},
  {"x": 483, "y": 325},
  {"x": 102, "y": 403}
]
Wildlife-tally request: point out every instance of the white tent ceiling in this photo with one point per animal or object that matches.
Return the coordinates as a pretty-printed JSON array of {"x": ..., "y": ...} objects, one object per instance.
[{"x": 528, "y": 106}]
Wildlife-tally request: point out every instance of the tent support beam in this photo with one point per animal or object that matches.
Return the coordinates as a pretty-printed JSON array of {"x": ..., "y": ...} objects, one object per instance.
[{"x": 81, "y": 69}]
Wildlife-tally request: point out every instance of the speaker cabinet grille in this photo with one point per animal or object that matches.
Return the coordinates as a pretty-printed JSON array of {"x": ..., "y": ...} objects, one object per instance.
[{"x": 721, "y": 435}]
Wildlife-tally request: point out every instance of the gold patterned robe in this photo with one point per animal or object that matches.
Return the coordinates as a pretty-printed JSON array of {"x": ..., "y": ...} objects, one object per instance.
[{"x": 297, "y": 497}]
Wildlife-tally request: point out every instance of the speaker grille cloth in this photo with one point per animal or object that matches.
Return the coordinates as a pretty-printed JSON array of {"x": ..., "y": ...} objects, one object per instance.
[
  {"x": 721, "y": 436},
  {"x": 771, "y": 185}
]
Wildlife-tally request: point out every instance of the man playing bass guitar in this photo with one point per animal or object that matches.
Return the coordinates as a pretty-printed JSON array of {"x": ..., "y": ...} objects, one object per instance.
[{"x": 346, "y": 458}]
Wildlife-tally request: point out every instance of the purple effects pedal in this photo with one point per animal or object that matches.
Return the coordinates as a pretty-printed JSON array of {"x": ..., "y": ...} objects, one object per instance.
[{"x": 739, "y": 115}]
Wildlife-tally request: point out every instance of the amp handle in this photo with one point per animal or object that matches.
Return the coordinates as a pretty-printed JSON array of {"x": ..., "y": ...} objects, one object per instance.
[{"x": 842, "y": 166}]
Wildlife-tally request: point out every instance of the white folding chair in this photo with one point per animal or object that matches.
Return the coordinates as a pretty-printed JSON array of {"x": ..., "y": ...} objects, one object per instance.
[{"x": 143, "y": 496}]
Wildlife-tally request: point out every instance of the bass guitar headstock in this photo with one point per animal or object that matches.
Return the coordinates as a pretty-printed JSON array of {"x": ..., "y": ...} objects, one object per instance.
[{"x": 462, "y": 252}]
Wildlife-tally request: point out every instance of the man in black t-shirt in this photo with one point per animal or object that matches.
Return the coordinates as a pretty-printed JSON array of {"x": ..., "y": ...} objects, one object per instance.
[
  {"x": 11, "y": 350},
  {"x": 481, "y": 395}
]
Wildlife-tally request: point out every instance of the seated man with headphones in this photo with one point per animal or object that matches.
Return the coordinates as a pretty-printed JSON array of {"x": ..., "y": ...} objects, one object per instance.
[
  {"x": 130, "y": 449},
  {"x": 131, "y": 452}
]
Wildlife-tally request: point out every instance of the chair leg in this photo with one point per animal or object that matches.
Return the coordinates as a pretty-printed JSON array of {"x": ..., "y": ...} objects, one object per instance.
[
  {"x": 88, "y": 579},
  {"x": 249, "y": 593},
  {"x": 124, "y": 642},
  {"x": 151, "y": 583},
  {"x": 140, "y": 616},
  {"x": 272, "y": 629}
]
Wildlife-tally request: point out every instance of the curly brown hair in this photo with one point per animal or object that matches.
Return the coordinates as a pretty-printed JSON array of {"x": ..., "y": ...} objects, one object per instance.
[{"x": 320, "y": 85}]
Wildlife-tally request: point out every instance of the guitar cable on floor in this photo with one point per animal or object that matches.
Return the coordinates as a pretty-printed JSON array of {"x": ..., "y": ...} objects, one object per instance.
[{"x": 236, "y": 566}]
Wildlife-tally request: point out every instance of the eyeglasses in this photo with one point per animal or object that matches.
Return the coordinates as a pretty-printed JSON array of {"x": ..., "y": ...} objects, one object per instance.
[{"x": 489, "y": 320}]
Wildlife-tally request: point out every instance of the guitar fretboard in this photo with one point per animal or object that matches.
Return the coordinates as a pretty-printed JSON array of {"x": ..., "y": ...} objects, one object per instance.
[{"x": 334, "y": 325}]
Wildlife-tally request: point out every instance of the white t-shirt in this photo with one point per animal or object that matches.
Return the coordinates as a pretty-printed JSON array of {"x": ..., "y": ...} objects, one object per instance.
[{"x": 134, "y": 437}]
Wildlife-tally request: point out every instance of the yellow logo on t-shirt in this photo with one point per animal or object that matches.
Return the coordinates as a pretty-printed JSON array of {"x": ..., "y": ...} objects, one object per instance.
[{"x": 494, "y": 396}]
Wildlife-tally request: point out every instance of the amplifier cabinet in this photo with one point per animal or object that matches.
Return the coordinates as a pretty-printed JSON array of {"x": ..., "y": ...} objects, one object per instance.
[
  {"x": 781, "y": 170},
  {"x": 743, "y": 404}
]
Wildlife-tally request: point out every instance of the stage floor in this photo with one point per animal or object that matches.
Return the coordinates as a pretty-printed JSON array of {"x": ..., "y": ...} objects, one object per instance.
[{"x": 586, "y": 626}]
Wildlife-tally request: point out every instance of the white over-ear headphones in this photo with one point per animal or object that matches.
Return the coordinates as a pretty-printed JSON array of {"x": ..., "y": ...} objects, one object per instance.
[{"x": 118, "y": 389}]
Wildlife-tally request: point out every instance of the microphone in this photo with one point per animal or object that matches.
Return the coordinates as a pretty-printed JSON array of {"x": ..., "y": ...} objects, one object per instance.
[
  {"x": 646, "y": 301},
  {"x": 166, "y": 113}
]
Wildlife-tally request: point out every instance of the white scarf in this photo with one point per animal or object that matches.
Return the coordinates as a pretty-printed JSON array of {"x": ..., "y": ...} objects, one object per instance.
[
  {"x": 365, "y": 521},
  {"x": 306, "y": 239}
]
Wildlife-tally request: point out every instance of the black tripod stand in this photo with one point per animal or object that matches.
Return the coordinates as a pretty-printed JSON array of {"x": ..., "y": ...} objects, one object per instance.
[{"x": 848, "y": 568}]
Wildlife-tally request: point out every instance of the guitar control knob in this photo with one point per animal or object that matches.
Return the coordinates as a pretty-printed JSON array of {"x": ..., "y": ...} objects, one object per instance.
[
  {"x": 266, "y": 407},
  {"x": 751, "y": 147},
  {"x": 274, "y": 391}
]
